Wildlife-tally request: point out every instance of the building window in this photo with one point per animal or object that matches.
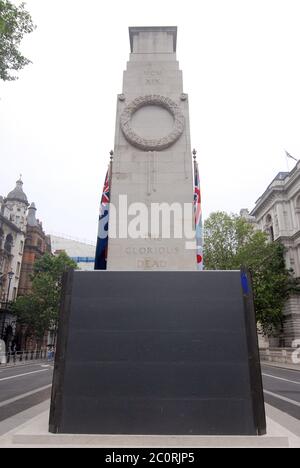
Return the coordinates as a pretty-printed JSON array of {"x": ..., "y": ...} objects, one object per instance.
[
  {"x": 14, "y": 295},
  {"x": 297, "y": 210},
  {"x": 269, "y": 227},
  {"x": 21, "y": 246},
  {"x": 18, "y": 269},
  {"x": 1, "y": 238},
  {"x": 8, "y": 243}
]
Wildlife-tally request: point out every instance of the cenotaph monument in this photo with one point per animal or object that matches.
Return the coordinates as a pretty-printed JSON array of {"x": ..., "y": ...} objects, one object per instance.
[
  {"x": 148, "y": 344},
  {"x": 152, "y": 163}
]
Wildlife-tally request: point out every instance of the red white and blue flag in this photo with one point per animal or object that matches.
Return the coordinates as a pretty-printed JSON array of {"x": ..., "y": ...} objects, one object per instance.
[
  {"x": 102, "y": 239},
  {"x": 198, "y": 218}
]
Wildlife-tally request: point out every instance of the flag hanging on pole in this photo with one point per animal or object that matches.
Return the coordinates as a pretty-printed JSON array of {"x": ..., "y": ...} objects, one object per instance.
[
  {"x": 288, "y": 155},
  {"x": 198, "y": 217},
  {"x": 102, "y": 239}
]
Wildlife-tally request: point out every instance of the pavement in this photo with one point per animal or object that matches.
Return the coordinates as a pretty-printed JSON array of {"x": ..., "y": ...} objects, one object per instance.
[
  {"x": 24, "y": 408},
  {"x": 34, "y": 433},
  {"x": 282, "y": 365}
]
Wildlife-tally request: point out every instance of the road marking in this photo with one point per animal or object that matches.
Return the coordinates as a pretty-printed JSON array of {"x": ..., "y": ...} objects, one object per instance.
[
  {"x": 20, "y": 397},
  {"x": 19, "y": 366},
  {"x": 293, "y": 402},
  {"x": 23, "y": 375},
  {"x": 281, "y": 378}
]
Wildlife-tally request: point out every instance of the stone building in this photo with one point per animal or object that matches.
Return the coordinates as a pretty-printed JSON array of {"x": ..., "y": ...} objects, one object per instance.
[
  {"x": 22, "y": 242},
  {"x": 13, "y": 211},
  {"x": 277, "y": 212},
  {"x": 36, "y": 244}
]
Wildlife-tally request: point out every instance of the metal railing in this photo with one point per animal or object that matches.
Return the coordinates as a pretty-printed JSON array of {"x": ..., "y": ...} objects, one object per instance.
[{"x": 15, "y": 358}]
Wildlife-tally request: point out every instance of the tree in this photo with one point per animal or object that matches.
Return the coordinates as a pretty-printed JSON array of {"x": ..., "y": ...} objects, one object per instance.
[
  {"x": 39, "y": 310},
  {"x": 15, "y": 22},
  {"x": 224, "y": 235},
  {"x": 231, "y": 242}
]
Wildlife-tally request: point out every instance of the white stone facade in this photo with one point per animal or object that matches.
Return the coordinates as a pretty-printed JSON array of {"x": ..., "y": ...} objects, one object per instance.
[
  {"x": 152, "y": 154},
  {"x": 277, "y": 212},
  {"x": 13, "y": 211}
]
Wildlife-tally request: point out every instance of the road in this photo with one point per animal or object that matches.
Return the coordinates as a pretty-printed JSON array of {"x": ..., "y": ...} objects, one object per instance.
[
  {"x": 22, "y": 387},
  {"x": 282, "y": 389},
  {"x": 26, "y": 386}
]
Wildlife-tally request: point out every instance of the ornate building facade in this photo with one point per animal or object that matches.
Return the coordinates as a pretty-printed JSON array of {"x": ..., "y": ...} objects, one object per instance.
[
  {"x": 22, "y": 242},
  {"x": 13, "y": 211},
  {"x": 36, "y": 244},
  {"x": 277, "y": 212}
]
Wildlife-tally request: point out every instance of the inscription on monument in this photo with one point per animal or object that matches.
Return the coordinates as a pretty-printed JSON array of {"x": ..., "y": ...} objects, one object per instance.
[
  {"x": 152, "y": 81},
  {"x": 151, "y": 264},
  {"x": 153, "y": 77},
  {"x": 152, "y": 250},
  {"x": 153, "y": 73}
]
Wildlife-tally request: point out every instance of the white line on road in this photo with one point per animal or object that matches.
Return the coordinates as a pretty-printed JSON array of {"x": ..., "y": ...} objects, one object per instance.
[
  {"x": 293, "y": 402},
  {"x": 23, "y": 375},
  {"x": 20, "y": 366},
  {"x": 20, "y": 397},
  {"x": 281, "y": 378}
]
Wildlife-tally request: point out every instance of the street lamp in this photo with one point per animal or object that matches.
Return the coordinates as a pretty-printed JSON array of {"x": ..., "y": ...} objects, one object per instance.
[{"x": 10, "y": 277}]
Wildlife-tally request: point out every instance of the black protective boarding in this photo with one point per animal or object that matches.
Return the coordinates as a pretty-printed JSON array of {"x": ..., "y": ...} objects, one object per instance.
[{"x": 157, "y": 353}]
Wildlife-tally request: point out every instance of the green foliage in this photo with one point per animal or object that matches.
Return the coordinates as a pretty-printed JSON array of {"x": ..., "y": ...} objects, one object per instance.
[
  {"x": 231, "y": 242},
  {"x": 224, "y": 235},
  {"x": 39, "y": 310},
  {"x": 15, "y": 21},
  {"x": 33, "y": 315}
]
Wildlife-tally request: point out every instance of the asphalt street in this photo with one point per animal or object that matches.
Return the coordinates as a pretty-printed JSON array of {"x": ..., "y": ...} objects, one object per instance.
[
  {"x": 23, "y": 387},
  {"x": 282, "y": 389}
]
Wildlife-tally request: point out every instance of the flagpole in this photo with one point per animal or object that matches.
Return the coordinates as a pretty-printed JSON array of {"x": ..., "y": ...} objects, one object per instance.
[
  {"x": 289, "y": 156},
  {"x": 198, "y": 222},
  {"x": 111, "y": 153},
  {"x": 195, "y": 168}
]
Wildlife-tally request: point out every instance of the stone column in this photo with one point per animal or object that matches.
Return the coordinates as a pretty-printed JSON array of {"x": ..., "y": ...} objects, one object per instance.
[{"x": 152, "y": 157}]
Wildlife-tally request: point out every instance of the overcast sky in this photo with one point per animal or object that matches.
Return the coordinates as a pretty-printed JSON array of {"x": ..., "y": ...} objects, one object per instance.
[{"x": 240, "y": 62}]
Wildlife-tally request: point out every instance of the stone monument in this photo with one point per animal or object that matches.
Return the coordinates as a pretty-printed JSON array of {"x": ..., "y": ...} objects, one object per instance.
[
  {"x": 151, "y": 345},
  {"x": 152, "y": 158}
]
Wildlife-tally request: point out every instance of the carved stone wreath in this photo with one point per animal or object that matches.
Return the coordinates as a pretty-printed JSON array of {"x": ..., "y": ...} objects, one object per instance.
[{"x": 152, "y": 144}]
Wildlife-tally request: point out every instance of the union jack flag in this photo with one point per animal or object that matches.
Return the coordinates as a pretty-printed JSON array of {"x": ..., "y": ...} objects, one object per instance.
[
  {"x": 105, "y": 194},
  {"x": 102, "y": 239},
  {"x": 198, "y": 218}
]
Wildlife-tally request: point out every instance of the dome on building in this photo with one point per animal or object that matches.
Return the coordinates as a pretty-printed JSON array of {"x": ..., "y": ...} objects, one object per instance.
[{"x": 17, "y": 193}]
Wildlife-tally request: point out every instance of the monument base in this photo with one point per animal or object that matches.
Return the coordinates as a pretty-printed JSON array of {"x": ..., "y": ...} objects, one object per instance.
[{"x": 157, "y": 353}]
